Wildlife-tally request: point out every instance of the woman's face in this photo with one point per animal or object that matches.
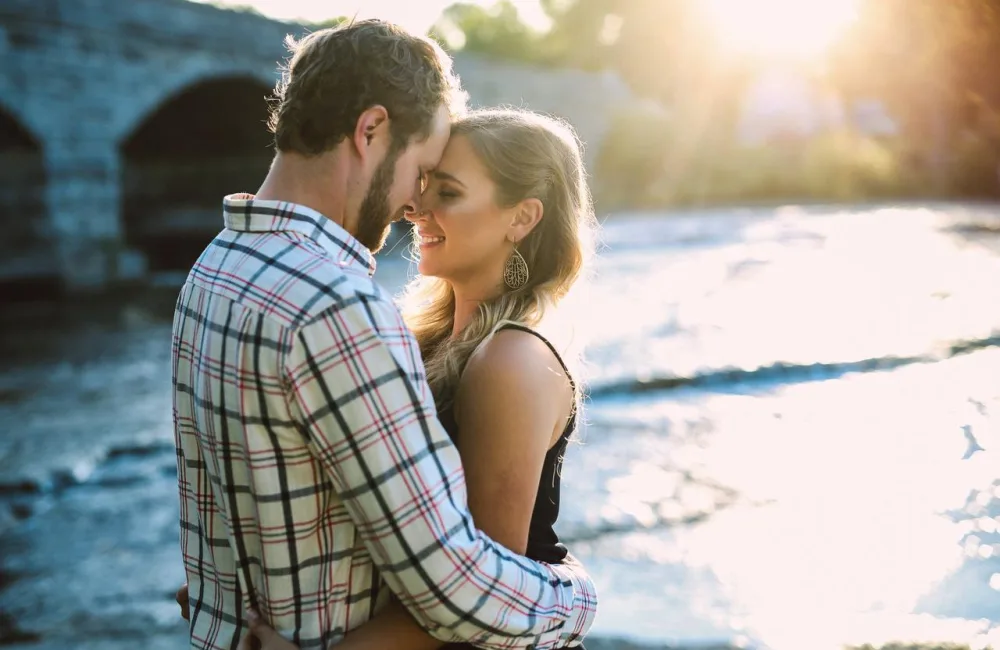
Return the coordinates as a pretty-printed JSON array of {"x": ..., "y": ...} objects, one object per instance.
[{"x": 461, "y": 231}]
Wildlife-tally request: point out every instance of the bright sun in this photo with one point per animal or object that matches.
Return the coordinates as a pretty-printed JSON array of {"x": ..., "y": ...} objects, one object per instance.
[{"x": 780, "y": 28}]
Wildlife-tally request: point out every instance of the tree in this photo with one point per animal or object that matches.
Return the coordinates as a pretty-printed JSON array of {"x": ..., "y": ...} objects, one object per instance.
[
  {"x": 497, "y": 32},
  {"x": 933, "y": 63},
  {"x": 664, "y": 49},
  {"x": 584, "y": 33}
]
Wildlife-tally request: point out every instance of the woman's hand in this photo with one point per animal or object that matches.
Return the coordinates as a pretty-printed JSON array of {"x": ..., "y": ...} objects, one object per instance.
[
  {"x": 263, "y": 637},
  {"x": 181, "y": 598}
]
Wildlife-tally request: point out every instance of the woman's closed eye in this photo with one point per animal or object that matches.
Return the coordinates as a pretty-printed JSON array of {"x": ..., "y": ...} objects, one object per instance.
[{"x": 435, "y": 187}]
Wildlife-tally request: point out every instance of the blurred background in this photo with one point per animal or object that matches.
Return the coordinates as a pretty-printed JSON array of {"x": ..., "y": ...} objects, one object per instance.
[{"x": 793, "y": 335}]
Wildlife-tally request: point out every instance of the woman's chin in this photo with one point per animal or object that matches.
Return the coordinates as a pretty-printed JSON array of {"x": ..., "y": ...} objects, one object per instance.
[{"x": 426, "y": 268}]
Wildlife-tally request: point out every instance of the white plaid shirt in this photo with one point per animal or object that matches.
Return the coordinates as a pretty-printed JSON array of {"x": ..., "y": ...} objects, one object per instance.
[{"x": 311, "y": 465}]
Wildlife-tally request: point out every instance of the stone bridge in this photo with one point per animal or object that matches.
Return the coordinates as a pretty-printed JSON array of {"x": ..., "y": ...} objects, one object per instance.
[{"x": 123, "y": 123}]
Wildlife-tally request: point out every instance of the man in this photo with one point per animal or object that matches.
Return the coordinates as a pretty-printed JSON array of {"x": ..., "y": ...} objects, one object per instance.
[{"x": 311, "y": 467}]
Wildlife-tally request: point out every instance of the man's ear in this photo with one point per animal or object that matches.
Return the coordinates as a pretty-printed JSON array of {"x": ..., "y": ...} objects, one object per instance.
[
  {"x": 371, "y": 132},
  {"x": 525, "y": 216}
]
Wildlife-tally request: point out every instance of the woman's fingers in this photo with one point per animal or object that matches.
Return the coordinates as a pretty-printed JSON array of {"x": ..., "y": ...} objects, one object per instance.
[
  {"x": 249, "y": 642},
  {"x": 266, "y": 635},
  {"x": 181, "y": 598}
]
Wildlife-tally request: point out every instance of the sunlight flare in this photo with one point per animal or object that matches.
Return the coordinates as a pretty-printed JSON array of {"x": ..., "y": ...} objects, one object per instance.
[{"x": 780, "y": 28}]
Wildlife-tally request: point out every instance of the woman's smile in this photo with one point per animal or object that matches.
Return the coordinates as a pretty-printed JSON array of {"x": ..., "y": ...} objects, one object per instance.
[{"x": 428, "y": 240}]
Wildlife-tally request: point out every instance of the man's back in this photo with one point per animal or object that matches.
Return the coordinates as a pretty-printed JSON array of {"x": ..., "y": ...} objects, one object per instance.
[
  {"x": 257, "y": 507},
  {"x": 311, "y": 465}
]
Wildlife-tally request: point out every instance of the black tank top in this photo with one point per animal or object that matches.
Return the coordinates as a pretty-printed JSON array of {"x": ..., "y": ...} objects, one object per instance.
[{"x": 543, "y": 543}]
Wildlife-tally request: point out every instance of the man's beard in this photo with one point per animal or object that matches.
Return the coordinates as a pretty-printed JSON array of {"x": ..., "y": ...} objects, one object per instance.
[{"x": 375, "y": 215}]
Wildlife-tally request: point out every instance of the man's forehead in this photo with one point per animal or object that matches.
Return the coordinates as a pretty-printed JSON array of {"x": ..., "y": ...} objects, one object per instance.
[
  {"x": 435, "y": 144},
  {"x": 427, "y": 152},
  {"x": 441, "y": 125}
]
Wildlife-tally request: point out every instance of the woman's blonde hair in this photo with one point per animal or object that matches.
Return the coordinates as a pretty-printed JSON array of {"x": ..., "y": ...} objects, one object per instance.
[{"x": 528, "y": 155}]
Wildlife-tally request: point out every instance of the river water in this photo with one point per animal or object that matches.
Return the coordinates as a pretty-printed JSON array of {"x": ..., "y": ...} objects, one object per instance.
[{"x": 791, "y": 439}]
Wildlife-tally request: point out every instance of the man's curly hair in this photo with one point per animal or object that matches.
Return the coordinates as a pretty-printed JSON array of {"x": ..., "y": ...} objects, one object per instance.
[{"x": 336, "y": 74}]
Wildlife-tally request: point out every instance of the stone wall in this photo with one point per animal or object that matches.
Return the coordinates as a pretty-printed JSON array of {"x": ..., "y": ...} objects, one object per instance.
[
  {"x": 22, "y": 200},
  {"x": 81, "y": 75}
]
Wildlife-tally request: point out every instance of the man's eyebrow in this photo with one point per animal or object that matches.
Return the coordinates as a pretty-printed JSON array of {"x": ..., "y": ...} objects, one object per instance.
[{"x": 445, "y": 176}]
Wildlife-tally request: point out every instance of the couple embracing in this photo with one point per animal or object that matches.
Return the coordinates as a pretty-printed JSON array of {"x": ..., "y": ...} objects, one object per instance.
[{"x": 357, "y": 473}]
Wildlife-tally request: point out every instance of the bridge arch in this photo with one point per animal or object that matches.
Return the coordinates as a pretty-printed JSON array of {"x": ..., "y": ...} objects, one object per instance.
[
  {"x": 206, "y": 140},
  {"x": 26, "y": 245}
]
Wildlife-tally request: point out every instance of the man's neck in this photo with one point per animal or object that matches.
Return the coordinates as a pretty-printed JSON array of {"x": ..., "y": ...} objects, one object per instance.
[{"x": 308, "y": 182}]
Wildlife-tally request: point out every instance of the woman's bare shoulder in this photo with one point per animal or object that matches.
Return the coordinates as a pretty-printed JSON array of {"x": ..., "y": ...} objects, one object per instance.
[{"x": 514, "y": 367}]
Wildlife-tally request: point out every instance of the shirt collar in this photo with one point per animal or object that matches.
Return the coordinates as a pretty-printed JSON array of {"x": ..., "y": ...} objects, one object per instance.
[{"x": 244, "y": 213}]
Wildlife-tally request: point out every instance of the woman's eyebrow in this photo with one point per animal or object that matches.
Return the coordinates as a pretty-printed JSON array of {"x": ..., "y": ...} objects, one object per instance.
[{"x": 445, "y": 176}]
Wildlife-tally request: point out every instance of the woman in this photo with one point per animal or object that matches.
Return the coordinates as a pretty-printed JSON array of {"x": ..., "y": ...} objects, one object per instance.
[{"x": 504, "y": 233}]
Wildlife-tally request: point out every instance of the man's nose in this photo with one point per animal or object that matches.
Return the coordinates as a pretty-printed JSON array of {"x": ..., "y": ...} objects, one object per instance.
[
  {"x": 415, "y": 215},
  {"x": 411, "y": 207}
]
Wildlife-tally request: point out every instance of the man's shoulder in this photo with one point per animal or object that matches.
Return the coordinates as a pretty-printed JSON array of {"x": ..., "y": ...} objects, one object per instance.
[
  {"x": 291, "y": 282},
  {"x": 329, "y": 288},
  {"x": 335, "y": 289}
]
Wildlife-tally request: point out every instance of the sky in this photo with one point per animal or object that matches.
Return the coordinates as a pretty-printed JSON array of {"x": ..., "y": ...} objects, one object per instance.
[{"x": 415, "y": 15}]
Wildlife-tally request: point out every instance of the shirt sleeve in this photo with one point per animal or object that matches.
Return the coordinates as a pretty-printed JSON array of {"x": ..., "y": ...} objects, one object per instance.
[{"x": 356, "y": 378}]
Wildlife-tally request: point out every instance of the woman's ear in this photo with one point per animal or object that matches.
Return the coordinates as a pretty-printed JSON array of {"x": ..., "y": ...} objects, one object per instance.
[{"x": 526, "y": 215}]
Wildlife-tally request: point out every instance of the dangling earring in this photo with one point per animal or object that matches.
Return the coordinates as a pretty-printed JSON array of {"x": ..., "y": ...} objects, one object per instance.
[{"x": 515, "y": 271}]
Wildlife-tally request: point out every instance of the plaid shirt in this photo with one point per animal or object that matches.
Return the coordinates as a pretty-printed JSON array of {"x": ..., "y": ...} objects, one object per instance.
[{"x": 312, "y": 469}]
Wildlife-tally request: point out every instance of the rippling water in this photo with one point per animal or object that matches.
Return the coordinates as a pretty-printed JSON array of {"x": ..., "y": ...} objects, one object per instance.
[{"x": 791, "y": 441}]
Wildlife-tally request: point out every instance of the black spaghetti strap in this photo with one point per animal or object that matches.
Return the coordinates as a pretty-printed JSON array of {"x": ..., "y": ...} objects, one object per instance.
[{"x": 525, "y": 328}]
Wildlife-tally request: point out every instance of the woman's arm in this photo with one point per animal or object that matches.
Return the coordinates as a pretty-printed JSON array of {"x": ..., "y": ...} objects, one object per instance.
[{"x": 512, "y": 404}]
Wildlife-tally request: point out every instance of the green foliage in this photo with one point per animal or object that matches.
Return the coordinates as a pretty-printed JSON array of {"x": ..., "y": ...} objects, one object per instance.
[
  {"x": 934, "y": 65},
  {"x": 584, "y": 33},
  {"x": 663, "y": 48},
  {"x": 923, "y": 57},
  {"x": 638, "y": 167},
  {"x": 973, "y": 168},
  {"x": 846, "y": 166},
  {"x": 631, "y": 161},
  {"x": 496, "y": 32}
]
